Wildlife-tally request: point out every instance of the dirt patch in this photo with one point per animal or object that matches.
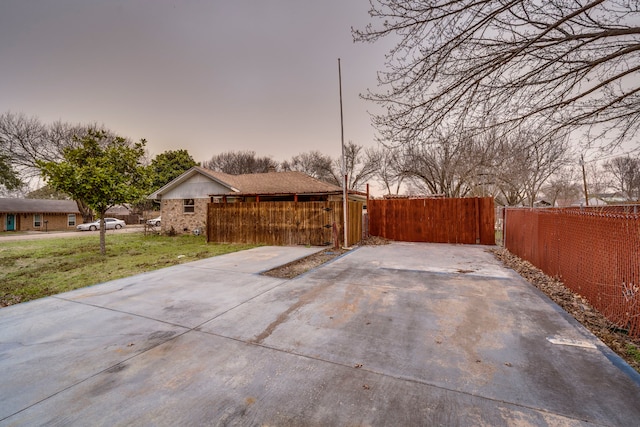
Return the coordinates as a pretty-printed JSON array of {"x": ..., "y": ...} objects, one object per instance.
[
  {"x": 374, "y": 241},
  {"x": 298, "y": 267},
  {"x": 577, "y": 306}
]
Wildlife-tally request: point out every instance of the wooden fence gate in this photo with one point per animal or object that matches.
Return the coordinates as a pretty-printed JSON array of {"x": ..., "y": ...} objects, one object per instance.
[
  {"x": 437, "y": 220},
  {"x": 283, "y": 223}
]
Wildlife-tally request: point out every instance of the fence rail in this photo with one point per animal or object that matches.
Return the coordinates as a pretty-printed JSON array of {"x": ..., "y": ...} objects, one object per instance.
[
  {"x": 283, "y": 223},
  {"x": 595, "y": 252},
  {"x": 436, "y": 220}
]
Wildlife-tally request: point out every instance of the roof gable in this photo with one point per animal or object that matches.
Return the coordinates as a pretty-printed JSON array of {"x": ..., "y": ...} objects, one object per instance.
[{"x": 213, "y": 176}]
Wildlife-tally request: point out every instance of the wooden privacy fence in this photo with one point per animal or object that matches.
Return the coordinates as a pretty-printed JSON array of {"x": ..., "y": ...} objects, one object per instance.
[
  {"x": 594, "y": 253},
  {"x": 436, "y": 220},
  {"x": 283, "y": 223}
]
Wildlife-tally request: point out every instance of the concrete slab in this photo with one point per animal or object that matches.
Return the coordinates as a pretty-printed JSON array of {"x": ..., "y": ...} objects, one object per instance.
[
  {"x": 477, "y": 334},
  {"x": 182, "y": 295},
  {"x": 199, "y": 379},
  {"x": 403, "y": 334},
  {"x": 256, "y": 260},
  {"x": 193, "y": 293},
  {"x": 49, "y": 345}
]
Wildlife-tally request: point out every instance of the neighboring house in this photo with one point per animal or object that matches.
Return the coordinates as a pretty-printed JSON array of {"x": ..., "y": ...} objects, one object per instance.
[
  {"x": 542, "y": 203},
  {"x": 183, "y": 201},
  {"x": 118, "y": 211},
  {"x": 593, "y": 201},
  {"x": 39, "y": 215}
]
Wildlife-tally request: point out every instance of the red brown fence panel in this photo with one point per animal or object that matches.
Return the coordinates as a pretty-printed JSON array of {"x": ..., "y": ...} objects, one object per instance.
[
  {"x": 436, "y": 220},
  {"x": 594, "y": 252}
]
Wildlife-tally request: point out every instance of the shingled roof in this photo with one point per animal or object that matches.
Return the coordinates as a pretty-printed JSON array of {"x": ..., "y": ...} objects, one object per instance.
[
  {"x": 275, "y": 183},
  {"x": 270, "y": 183},
  {"x": 19, "y": 206}
]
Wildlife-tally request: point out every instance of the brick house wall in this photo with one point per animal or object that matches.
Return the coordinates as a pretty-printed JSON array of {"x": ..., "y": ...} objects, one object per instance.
[
  {"x": 55, "y": 222},
  {"x": 173, "y": 215}
]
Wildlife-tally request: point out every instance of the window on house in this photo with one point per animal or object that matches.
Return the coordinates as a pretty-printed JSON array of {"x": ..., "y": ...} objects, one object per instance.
[
  {"x": 37, "y": 220},
  {"x": 189, "y": 206},
  {"x": 71, "y": 220}
]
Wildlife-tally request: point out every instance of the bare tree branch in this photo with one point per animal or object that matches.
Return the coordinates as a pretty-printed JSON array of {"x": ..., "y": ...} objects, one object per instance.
[
  {"x": 240, "y": 162},
  {"x": 505, "y": 63}
]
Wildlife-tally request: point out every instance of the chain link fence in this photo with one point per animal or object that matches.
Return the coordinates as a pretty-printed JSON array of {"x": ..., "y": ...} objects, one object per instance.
[{"x": 594, "y": 251}]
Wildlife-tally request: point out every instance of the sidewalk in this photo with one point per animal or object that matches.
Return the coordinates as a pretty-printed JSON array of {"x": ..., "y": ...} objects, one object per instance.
[{"x": 402, "y": 334}]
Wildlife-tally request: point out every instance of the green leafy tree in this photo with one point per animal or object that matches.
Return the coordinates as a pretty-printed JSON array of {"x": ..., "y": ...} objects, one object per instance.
[
  {"x": 8, "y": 177},
  {"x": 100, "y": 174},
  {"x": 167, "y": 166}
]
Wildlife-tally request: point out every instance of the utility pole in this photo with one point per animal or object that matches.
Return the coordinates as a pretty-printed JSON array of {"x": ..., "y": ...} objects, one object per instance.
[
  {"x": 584, "y": 181},
  {"x": 345, "y": 203}
]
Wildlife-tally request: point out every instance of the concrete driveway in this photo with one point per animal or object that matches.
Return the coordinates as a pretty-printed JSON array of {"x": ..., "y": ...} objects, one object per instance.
[{"x": 402, "y": 334}]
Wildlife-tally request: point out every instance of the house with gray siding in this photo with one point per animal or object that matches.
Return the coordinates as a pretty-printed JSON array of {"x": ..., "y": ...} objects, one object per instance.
[{"x": 183, "y": 201}]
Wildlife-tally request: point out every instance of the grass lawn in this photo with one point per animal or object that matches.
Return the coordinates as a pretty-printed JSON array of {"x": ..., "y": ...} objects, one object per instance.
[{"x": 33, "y": 269}]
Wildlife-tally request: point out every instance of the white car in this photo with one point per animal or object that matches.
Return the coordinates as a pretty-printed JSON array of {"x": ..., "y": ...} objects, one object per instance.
[
  {"x": 110, "y": 223},
  {"x": 155, "y": 222}
]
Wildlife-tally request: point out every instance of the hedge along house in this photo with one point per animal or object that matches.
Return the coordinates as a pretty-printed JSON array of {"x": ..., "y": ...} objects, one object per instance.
[
  {"x": 39, "y": 215},
  {"x": 183, "y": 201}
]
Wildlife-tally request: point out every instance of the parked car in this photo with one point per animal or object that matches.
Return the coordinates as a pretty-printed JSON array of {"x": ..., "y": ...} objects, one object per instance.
[
  {"x": 110, "y": 223},
  {"x": 155, "y": 222}
]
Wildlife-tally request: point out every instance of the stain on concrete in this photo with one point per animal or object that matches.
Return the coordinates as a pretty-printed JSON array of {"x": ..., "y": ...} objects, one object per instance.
[{"x": 306, "y": 298}]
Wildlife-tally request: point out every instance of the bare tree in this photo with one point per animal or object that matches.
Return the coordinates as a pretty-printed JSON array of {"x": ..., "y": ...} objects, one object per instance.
[
  {"x": 361, "y": 165},
  {"x": 512, "y": 168},
  {"x": 598, "y": 181},
  {"x": 570, "y": 64},
  {"x": 28, "y": 140},
  {"x": 526, "y": 161},
  {"x": 25, "y": 138},
  {"x": 443, "y": 165},
  {"x": 544, "y": 158},
  {"x": 315, "y": 164},
  {"x": 563, "y": 187},
  {"x": 511, "y": 173},
  {"x": 240, "y": 162},
  {"x": 390, "y": 172},
  {"x": 625, "y": 171}
]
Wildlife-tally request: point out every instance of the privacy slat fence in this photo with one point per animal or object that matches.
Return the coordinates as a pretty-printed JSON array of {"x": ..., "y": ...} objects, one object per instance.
[
  {"x": 436, "y": 220},
  {"x": 283, "y": 223},
  {"x": 594, "y": 253}
]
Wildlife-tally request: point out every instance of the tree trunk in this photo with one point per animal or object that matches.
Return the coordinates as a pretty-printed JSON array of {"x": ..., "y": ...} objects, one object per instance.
[
  {"x": 85, "y": 211},
  {"x": 103, "y": 232}
]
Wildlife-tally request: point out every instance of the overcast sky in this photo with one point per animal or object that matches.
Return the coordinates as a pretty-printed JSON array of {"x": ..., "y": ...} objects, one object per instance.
[{"x": 204, "y": 75}]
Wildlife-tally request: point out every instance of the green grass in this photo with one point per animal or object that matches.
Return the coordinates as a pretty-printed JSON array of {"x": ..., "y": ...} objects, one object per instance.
[
  {"x": 633, "y": 352},
  {"x": 33, "y": 269}
]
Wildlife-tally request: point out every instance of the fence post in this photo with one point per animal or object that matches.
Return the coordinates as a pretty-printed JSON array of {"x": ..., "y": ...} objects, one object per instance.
[
  {"x": 504, "y": 227},
  {"x": 477, "y": 221}
]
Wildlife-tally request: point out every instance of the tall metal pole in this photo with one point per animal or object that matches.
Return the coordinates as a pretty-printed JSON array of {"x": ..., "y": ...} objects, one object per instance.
[{"x": 345, "y": 204}]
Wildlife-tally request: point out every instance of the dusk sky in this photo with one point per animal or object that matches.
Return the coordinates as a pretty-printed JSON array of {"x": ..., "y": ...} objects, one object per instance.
[{"x": 207, "y": 76}]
